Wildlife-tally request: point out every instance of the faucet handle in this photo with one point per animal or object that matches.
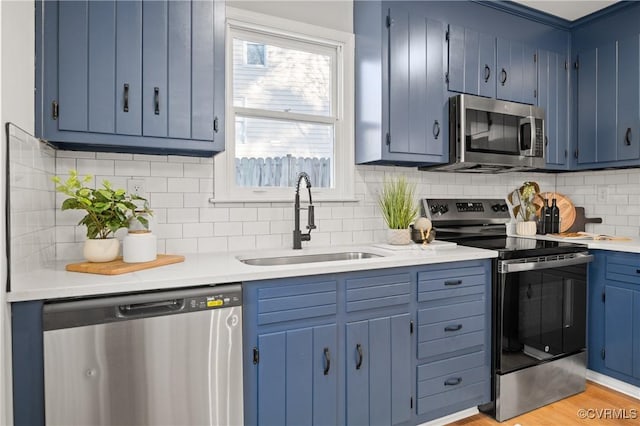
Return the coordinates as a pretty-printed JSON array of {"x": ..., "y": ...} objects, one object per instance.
[{"x": 311, "y": 222}]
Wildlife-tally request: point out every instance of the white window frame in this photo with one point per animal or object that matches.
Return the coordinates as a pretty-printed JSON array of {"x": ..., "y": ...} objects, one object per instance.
[{"x": 242, "y": 21}]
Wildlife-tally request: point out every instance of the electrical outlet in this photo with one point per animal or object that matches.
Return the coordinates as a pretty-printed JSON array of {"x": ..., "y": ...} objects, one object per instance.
[
  {"x": 603, "y": 193},
  {"x": 136, "y": 186}
]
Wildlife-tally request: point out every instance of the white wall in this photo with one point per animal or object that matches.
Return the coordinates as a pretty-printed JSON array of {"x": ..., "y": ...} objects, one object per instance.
[
  {"x": 17, "y": 41},
  {"x": 335, "y": 14}
]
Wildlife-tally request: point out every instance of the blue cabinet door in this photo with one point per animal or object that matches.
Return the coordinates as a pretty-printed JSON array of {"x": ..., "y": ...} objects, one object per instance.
[
  {"x": 131, "y": 76},
  {"x": 636, "y": 334},
  {"x": 377, "y": 363},
  {"x": 587, "y": 111},
  {"x": 416, "y": 85},
  {"x": 516, "y": 72},
  {"x": 618, "y": 333},
  {"x": 472, "y": 62},
  {"x": 606, "y": 97},
  {"x": 628, "y": 129},
  {"x": 552, "y": 95},
  {"x": 297, "y": 376}
]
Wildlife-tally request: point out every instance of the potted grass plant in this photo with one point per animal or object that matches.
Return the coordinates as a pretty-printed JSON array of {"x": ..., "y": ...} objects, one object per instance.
[
  {"x": 399, "y": 209},
  {"x": 107, "y": 210}
]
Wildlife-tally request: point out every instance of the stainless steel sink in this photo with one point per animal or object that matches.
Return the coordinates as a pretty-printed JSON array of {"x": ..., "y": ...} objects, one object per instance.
[{"x": 308, "y": 258}]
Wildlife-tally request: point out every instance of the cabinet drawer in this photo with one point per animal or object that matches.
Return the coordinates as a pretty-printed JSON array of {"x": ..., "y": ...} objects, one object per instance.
[
  {"x": 451, "y": 381},
  {"x": 450, "y": 328},
  {"x": 475, "y": 394},
  {"x": 625, "y": 268},
  {"x": 294, "y": 302},
  {"x": 441, "y": 284},
  {"x": 451, "y": 365},
  {"x": 378, "y": 291},
  {"x": 451, "y": 312},
  {"x": 451, "y": 344}
]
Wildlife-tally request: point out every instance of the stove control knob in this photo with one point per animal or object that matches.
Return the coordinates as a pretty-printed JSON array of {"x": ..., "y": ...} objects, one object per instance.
[
  {"x": 504, "y": 208},
  {"x": 495, "y": 207},
  {"x": 444, "y": 208},
  {"x": 435, "y": 209}
]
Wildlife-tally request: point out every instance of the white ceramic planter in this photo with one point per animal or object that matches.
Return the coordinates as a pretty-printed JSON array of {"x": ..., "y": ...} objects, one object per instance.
[
  {"x": 101, "y": 250},
  {"x": 526, "y": 228},
  {"x": 139, "y": 247},
  {"x": 399, "y": 237}
]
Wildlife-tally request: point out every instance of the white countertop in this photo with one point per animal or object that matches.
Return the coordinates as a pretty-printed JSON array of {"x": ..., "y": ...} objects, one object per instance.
[
  {"x": 632, "y": 246},
  {"x": 220, "y": 268}
]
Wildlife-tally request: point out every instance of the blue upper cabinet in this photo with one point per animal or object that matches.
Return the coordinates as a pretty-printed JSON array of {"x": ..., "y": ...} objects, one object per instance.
[
  {"x": 553, "y": 96},
  {"x": 400, "y": 85},
  {"x": 472, "y": 62},
  {"x": 132, "y": 76},
  {"x": 608, "y": 82},
  {"x": 516, "y": 72}
]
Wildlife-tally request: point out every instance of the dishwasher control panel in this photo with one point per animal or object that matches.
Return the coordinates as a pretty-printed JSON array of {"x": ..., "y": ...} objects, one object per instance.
[{"x": 213, "y": 301}]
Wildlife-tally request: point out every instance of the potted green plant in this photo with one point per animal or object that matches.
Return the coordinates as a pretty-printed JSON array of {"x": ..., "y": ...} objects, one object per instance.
[
  {"x": 398, "y": 208},
  {"x": 525, "y": 205},
  {"x": 107, "y": 210}
]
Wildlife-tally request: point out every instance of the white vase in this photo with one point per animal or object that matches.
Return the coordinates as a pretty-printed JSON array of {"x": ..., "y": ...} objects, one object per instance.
[
  {"x": 139, "y": 247},
  {"x": 399, "y": 237},
  {"x": 101, "y": 250},
  {"x": 526, "y": 228}
]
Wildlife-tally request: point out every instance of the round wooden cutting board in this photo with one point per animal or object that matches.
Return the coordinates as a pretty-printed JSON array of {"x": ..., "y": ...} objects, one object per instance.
[{"x": 565, "y": 205}]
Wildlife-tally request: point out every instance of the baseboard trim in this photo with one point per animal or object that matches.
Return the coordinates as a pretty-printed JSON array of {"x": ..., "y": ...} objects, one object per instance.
[
  {"x": 452, "y": 417},
  {"x": 615, "y": 384}
]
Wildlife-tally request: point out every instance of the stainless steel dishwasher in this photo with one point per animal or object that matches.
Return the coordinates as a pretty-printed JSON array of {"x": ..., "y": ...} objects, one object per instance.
[{"x": 160, "y": 358}]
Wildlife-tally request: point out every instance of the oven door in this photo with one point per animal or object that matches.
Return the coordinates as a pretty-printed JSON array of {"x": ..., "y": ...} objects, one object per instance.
[{"x": 541, "y": 309}]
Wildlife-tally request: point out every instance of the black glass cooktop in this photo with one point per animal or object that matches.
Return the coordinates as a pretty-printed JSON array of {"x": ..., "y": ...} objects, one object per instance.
[{"x": 514, "y": 247}]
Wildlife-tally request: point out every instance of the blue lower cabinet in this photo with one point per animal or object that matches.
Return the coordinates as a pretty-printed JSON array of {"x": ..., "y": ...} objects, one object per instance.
[
  {"x": 378, "y": 371},
  {"x": 297, "y": 376},
  {"x": 614, "y": 315}
]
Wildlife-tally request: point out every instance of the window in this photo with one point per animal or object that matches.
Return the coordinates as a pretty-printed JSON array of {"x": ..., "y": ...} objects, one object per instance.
[
  {"x": 290, "y": 111},
  {"x": 254, "y": 54}
]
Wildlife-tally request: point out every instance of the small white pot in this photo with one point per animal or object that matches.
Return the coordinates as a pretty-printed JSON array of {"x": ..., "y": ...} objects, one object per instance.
[
  {"x": 101, "y": 250},
  {"x": 399, "y": 237},
  {"x": 139, "y": 247},
  {"x": 526, "y": 228}
]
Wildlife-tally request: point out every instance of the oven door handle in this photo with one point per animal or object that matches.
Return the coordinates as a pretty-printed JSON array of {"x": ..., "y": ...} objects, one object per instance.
[{"x": 509, "y": 266}]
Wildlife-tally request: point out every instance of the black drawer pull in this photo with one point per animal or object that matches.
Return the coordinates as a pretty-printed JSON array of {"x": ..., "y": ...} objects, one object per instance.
[
  {"x": 125, "y": 107},
  {"x": 327, "y": 361},
  {"x": 627, "y": 137},
  {"x": 452, "y": 382},
  {"x": 360, "y": 356},
  {"x": 436, "y": 129},
  {"x": 487, "y": 73},
  {"x": 156, "y": 100},
  {"x": 503, "y": 76},
  {"x": 637, "y": 271},
  {"x": 453, "y": 282},
  {"x": 453, "y": 327}
]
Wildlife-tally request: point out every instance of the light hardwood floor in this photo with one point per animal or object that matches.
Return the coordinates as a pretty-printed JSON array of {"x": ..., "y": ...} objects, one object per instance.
[{"x": 566, "y": 412}]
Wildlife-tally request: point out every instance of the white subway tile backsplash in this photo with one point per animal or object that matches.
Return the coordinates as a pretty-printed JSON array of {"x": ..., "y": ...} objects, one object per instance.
[
  {"x": 196, "y": 199},
  {"x": 168, "y": 230},
  {"x": 268, "y": 241},
  {"x": 213, "y": 244},
  {"x": 113, "y": 156},
  {"x": 186, "y": 245},
  {"x": 243, "y": 214},
  {"x": 166, "y": 169},
  {"x": 225, "y": 229},
  {"x": 95, "y": 167},
  {"x": 197, "y": 230},
  {"x": 132, "y": 168},
  {"x": 246, "y": 242},
  {"x": 214, "y": 214},
  {"x": 183, "y": 185},
  {"x": 150, "y": 158},
  {"x": 199, "y": 170},
  {"x": 183, "y": 215},
  {"x": 168, "y": 199},
  {"x": 256, "y": 228}
]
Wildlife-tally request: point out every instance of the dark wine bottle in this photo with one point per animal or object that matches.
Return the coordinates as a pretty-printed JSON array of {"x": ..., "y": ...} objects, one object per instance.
[
  {"x": 555, "y": 217},
  {"x": 545, "y": 218}
]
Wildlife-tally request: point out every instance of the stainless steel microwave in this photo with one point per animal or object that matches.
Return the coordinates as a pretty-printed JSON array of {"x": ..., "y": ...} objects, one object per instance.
[{"x": 490, "y": 136}]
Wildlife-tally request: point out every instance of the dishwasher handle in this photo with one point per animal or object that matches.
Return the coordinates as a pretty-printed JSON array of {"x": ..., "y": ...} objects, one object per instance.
[{"x": 141, "y": 310}]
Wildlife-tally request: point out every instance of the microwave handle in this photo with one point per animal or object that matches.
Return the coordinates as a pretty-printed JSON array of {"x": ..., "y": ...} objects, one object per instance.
[{"x": 531, "y": 120}]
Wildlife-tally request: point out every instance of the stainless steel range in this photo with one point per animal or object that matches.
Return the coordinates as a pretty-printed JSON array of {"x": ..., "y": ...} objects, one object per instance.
[{"x": 539, "y": 305}]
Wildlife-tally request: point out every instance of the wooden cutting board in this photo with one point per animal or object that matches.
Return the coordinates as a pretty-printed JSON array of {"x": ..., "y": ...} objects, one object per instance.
[
  {"x": 565, "y": 205},
  {"x": 118, "y": 266}
]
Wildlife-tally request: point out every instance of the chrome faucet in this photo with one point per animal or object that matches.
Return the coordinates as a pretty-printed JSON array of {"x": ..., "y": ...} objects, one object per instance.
[{"x": 298, "y": 236}]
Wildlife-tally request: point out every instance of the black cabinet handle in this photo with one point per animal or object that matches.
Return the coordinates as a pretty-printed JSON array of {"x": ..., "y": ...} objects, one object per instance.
[
  {"x": 156, "y": 100},
  {"x": 546, "y": 140},
  {"x": 503, "y": 76},
  {"x": 125, "y": 107},
  {"x": 529, "y": 292},
  {"x": 453, "y": 327},
  {"x": 627, "y": 137},
  {"x": 637, "y": 271},
  {"x": 215, "y": 124},
  {"x": 436, "y": 129},
  {"x": 487, "y": 73},
  {"x": 256, "y": 356},
  {"x": 327, "y": 361},
  {"x": 360, "y": 356},
  {"x": 454, "y": 282},
  {"x": 453, "y": 381}
]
